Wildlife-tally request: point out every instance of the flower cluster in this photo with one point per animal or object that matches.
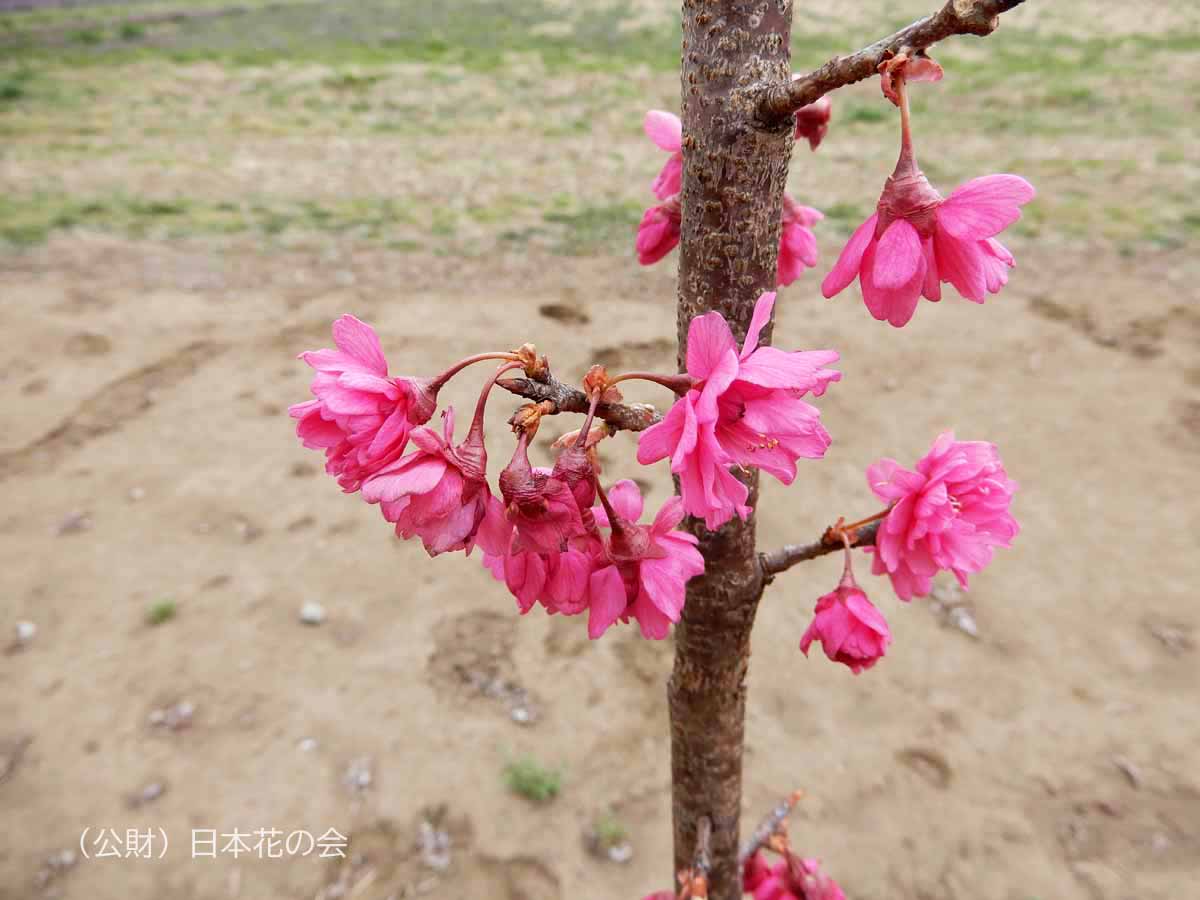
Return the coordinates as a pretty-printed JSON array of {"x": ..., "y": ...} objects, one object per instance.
[
  {"x": 659, "y": 231},
  {"x": 948, "y": 515},
  {"x": 557, "y": 538},
  {"x": 915, "y": 241},
  {"x": 553, "y": 536}
]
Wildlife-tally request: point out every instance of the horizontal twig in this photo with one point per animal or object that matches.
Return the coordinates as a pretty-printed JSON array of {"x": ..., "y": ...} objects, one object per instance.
[
  {"x": 768, "y": 826},
  {"x": 790, "y": 554},
  {"x": 567, "y": 399},
  {"x": 978, "y": 17}
]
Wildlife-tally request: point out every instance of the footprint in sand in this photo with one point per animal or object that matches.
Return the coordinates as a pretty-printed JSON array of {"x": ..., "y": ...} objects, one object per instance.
[
  {"x": 87, "y": 343},
  {"x": 565, "y": 313}
]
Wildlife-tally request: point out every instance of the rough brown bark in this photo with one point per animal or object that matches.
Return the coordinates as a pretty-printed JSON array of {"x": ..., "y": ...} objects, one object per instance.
[{"x": 733, "y": 181}]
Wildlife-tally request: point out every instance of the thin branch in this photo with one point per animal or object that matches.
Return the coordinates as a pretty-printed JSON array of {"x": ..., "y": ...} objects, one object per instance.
[
  {"x": 769, "y": 826},
  {"x": 790, "y": 554},
  {"x": 566, "y": 399},
  {"x": 978, "y": 17}
]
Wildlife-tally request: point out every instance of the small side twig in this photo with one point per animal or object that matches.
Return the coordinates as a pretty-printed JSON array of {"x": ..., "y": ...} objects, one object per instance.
[
  {"x": 769, "y": 826},
  {"x": 978, "y": 17},
  {"x": 790, "y": 554},
  {"x": 567, "y": 399}
]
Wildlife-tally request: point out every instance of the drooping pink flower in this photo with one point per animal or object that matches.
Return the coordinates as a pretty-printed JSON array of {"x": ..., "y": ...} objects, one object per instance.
[
  {"x": 644, "y": 568},
  {"x": 851, "y": 630},
  {"x": 950, "y": 514},
  {"x": 658, "y": 232},
  {"x": 755, "y": 871},
  {"x": 666, "y": 131},
  {"x": 541, "y": 507},
  {"x": 558, "y": 581},
  {"x": 549, "y": 555},
  {"x": 812, "y": 121},
  {"x": 745, "y": 409},
  {"x": 916, "y": 240},
  {"x": 798, "y": 879},
  {"x": 797, "y": 243},
  {"x": 439, "y": 492},
  {"x": 574, "y": 468},
  {"x": 361, "y": 417}
]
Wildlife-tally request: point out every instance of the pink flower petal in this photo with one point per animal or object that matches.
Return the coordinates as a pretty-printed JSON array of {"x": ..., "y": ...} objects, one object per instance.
[
  {"x": 710, "y": 343},
  {"x": 762, "y": 315},
  {"x": 959, "y": 262},
  {"x": 897, "y": 255},
  {"x": 659, "y": 440},
  {"x": 846, "y": 269},
  {"x": 689, "y": 433},
  {"x": 654, "y": 624},
  {"x": 626, "y": 500},
  {"x": 358, "y": 339},
  {"x": 670, "y": 179},
  {"x": 664, "y": 129},
  {"x": 932, "y": 288},
  {"x": 669, "y": 516},
  {"x": 985, "y": 206},
  {"x": 416, "y": 473},
  {"x": 607, "y": 602},
  {"x": 660, "y": 580}
]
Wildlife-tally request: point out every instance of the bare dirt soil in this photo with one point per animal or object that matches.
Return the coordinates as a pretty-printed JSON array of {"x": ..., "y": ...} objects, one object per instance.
[{"x": 178, "y": 228}]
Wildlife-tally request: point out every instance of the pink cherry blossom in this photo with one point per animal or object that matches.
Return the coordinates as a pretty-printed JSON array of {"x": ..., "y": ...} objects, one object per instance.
[
  {"x": 851, "y": 630},
  {"x": 687, "y": 433},
  {"x": 558, "y": 581},
  {"x": 541, "y": 507},
  {"x": 644, "y": 569},
  {"x": 540, "y": 546},
  {"x": 812, "y": 121},
  {"x": 755, "y": 871},
  {"x": 574, "y": 468},
  {"x": 745, "y": 409},
  {"x": 666, "y": 131},
  {"x": 438, "y": 492},
  {"x": 916, "y": 239},
  {"x": 658, "y": 232},
  {"x": 949, "y": 514},
  {"x": 361, "y": 417},
  {"x": 762, "y": 420},
  {"x": 798, "y": 879},
  {"x": 797, "y": 243}
]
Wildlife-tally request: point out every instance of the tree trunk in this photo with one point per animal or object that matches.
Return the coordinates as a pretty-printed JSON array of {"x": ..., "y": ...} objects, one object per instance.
[{"x": 733, "y": 180}]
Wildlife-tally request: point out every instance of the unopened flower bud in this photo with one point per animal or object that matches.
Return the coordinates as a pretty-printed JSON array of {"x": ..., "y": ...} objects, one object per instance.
[{"x": 535, "y": 366}]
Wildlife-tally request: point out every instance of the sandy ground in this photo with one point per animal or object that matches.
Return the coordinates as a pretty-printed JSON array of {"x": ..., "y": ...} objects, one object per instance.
[{"x": 146, "y": 454}]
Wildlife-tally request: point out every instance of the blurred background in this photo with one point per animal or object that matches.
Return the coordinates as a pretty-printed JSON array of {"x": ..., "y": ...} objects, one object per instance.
[{"x": 199, "y": 633}]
